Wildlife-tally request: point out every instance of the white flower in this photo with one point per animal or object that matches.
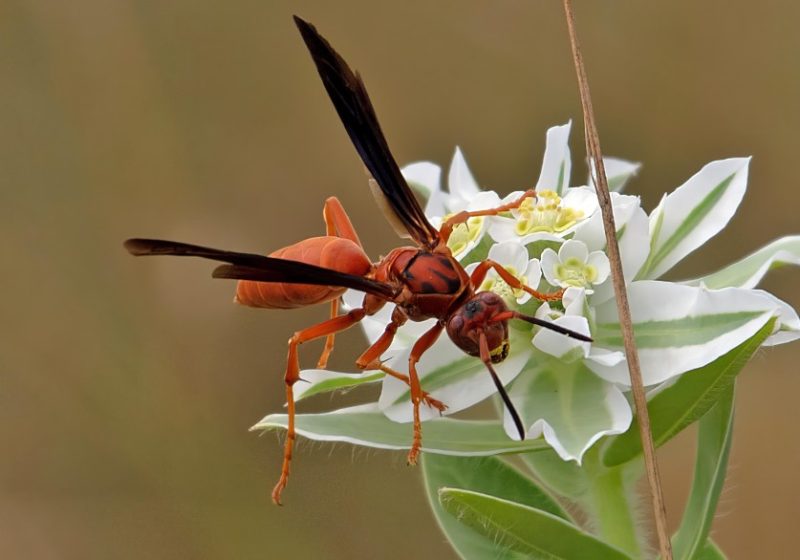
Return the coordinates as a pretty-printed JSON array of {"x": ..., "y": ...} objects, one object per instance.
[
  {"x": 574, "y": 266},
  {"x": 514, "y": 258},
  {"x": 463, "y": 194}
]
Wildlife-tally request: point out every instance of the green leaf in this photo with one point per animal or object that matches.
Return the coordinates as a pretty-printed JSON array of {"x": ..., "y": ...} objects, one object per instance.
[
  {"x": 366, "y": 425},
  {"x": 749, "y": 271},
  {"x": 565, "y": 478},
  {"x": 689, "y": 398},
  {"x": 713, "y": 449},
  {"x": 710, "y": 552},
  {"x": 488, "y": 475},
  {"x": 524, "y": 529}
]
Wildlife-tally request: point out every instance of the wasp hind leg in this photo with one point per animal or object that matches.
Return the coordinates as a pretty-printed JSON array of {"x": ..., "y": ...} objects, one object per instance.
[
  {"x": 331, "y": 326},
  {"x": 337, "y": 224}
]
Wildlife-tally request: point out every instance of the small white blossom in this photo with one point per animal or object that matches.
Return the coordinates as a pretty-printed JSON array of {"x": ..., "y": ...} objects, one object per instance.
[
  {"x": 574, "y": 266},
  {"x": 514, "y": 258}
]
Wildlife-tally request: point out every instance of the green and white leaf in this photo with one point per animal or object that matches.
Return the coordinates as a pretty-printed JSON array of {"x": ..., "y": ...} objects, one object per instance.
[
  {"x": 748, "y": 272},
  {"x": 618, "y": 172},
  {"x": 679, "y": 328},
  {"x": 532, "y": 532},
  {"x": 366, "y": 425},
  {"x": 449, "y": 375},
  {"x": 557, "y": 163},
  {"x": 675, "y": 407},
  {"x": 316, "y": 381},
  {"x": 713, "y": 449},
  {"x": 567, "y": 404},
  {"x": 693, "y": 213},
  {"x": 488, "y": 475}
]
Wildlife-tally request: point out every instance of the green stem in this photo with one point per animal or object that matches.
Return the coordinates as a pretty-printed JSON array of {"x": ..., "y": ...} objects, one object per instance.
[{"x": 610, "y": 508}]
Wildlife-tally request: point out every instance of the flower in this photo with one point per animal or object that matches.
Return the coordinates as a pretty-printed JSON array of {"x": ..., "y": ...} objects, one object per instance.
[
  {"x": 463, "y": 194},
  {"x": 570, "y": 392},
  {"x": 514, "y": 258},
  {"x": 574, "y": 266}
]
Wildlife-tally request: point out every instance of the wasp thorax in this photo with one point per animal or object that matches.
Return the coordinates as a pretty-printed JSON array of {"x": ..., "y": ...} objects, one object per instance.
[{"x": 474, "y": 317}]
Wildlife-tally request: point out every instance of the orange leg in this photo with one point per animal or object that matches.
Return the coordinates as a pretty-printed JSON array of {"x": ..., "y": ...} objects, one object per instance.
[
  {"x": 480, "y": 271},
  {"x": 337, "y": 224},
  {"x": 370, "y": 359},
  {"x": 463, "y": 216},
  {"x": 325, "y": 328},
  {"x": 419, "y": 348}
]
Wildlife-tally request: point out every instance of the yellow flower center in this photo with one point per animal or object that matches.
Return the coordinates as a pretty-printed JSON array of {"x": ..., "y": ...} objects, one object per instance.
[
  {"x": 501, "y": 288},
  {"x": 544, "y": 213},
  {"x": 464, "y": 234},
  {"x": 574, "y": 272}
]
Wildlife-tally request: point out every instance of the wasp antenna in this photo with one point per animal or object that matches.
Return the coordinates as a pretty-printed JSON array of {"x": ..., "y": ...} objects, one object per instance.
[
  {"x": 484, "y": 346},
  {"x": 552, "y": 326}
]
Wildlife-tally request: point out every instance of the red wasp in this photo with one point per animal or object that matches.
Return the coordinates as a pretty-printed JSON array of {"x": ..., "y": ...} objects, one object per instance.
[{"x": 423, "y": 281}]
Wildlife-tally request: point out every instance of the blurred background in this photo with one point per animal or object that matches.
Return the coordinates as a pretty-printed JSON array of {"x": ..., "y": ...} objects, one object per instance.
[{"x": 127, "y": 386}]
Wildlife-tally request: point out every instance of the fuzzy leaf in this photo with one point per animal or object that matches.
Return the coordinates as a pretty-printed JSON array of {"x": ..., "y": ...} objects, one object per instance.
[
  {"x": 366, "y": 425},
  {"x": 316, "y": 381},
  {"x": 713, "y": 449},
  {"x": 530, "y": 531},
  {"x": 489, "y": 475}
]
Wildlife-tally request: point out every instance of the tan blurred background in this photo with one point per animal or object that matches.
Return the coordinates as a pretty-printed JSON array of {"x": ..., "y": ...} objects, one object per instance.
[{"x": 127, "y": 387}]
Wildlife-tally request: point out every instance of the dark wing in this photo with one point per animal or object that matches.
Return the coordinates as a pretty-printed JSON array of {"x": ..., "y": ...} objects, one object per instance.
[
  {"x": 249, "y": 266},
  {"x": 350, "y": 98}
]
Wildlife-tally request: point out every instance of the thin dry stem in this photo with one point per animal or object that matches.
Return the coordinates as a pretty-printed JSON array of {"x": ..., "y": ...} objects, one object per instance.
[{"x": 637, "y": 386}]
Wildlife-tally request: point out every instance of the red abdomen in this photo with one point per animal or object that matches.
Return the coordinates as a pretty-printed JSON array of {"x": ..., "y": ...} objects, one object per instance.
[{"x": 335, "y": 253}]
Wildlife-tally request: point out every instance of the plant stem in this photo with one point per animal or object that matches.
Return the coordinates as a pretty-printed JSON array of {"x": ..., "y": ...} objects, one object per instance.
[
  {"x": 612, "y": 249},
  {"x": 610, "y": 508}
]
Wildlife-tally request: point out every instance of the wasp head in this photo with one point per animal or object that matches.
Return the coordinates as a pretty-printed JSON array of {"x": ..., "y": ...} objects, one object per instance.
[{"x": 475, "y": 317}]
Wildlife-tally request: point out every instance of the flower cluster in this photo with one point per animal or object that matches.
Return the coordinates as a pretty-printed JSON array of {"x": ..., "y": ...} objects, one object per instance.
[{"x": 571, "y": 392}]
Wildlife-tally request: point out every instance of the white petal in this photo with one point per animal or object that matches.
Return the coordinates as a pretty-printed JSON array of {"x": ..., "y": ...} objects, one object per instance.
[
  {"x": 574, "y": 300},
  {"x": 559, "y": 345},
  {"x": 591, "y": 230},
  {"x": 695, "y": 212},
  {"x": 437, "y": 204},
  {"x": 572, "y": 249},
  {"x": 556, "y": 164},
  {"x": 533, "y": 274},
  {"x": 509, "y": 253},
  {"x": 549, "y": 261},
  {"x": 503, "y": 229},
  {"x": 460, "y": 183},
  {"x": 484, "y": 200},
  {"x": 582, "y": 199},
  {"x": 599, "y": 260},
  {"x": 424, "y": 176},
  {"x": 618, "y": 171}
]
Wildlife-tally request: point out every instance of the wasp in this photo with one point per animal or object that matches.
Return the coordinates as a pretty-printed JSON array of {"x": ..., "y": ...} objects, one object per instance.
[{"x": 423, "y": 281}]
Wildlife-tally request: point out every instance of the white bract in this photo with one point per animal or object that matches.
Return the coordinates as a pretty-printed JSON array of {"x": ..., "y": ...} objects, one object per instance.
[{"x": 569, "y": 392}]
